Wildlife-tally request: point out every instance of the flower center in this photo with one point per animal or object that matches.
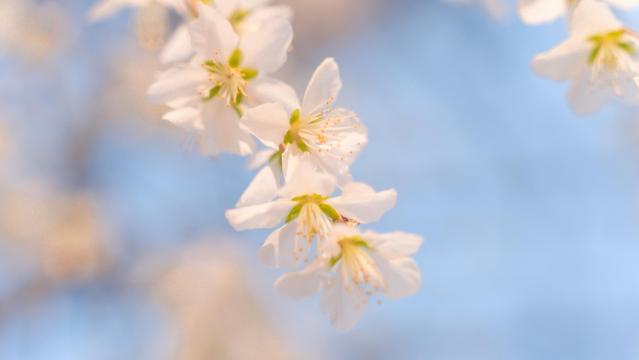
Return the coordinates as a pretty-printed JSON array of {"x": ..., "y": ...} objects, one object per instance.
[
  {"x": 357, "y": 265},
  {"x": 228, "y": 80},
  {"x": 608, "y": 48},
  {"x": 314, "y": 216}
]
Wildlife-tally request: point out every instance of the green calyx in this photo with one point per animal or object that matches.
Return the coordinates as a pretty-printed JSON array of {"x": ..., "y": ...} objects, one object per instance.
[
  {"x": 602, "y": 43},
  {"x": 312, "y": 199},
  {"x": 292, "y": 136},
  {"x": 238, "y": 16}
]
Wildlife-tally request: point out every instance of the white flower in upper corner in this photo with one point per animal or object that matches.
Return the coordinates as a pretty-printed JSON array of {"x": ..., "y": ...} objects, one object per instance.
[
  {"x": 542, "y": 11},
  {"x": 308, "y": 210},
  {"x": 209, "y": 93},
  {"x": 354, "y": 266},
  {"x": 599, "y": 58},
  {"x": 330, "y": 138},
  {"x": 497, "y": 9},
  {"x": 246, "y": 17}
]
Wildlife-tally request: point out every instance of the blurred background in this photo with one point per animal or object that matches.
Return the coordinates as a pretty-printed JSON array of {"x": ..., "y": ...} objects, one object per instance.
[{"x": 113, "y": 243}]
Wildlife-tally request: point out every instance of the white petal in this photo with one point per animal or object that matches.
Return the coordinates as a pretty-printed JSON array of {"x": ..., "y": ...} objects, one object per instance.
[
  {"x": 188, "y": 117},
  {"x": 283, "y": 248},
  {"x": 306, "y": 282},
  {"x": 263, "y": 188},
  {"x": 259, "y": 17},
  {"x": 178, "y": 47},
  {"x": 265, "y": 89},
  {"x": 402, "y": 276},
  {"x": 563, "y": 62},
  {"x": 586, "y": 98},
  {"x": 262, "y": 216},
  {"x": 178, "y": 82},
  {"x": 212, "y": 35},
  {"x": 268, "y": 122},
  {"x": 344, "y": 306},
  {"x": 323, "y": 88},
  {"x": 266, "y": 49},
  {"x": 591, "y": 17},
  {"x": 346, "y": 138},
  {"x": 393, "y": 245},
  {"x": 541, "y": 11},
  {"x": 223, "y": 131},
  {"x": 305, "y": 179},
  {"x": 361, "y": 203}
]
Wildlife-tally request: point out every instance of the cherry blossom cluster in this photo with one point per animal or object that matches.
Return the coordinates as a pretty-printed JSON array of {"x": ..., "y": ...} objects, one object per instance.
[
  {"x": 218, "y": 86},
  {"x": 599, "y": 58}
]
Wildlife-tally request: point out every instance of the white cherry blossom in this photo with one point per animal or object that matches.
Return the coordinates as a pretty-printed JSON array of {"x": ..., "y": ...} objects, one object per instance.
[
  {"x": 208, "y": 94},
  {"x": 353, "y": 266},
  {"x": 306, "y": 208},
  {"x": 542, "y": 11},
  {"x": 246, "y": 17},
  {"x": 599, "y": 59},
  {"x": 330, "y": 138}
]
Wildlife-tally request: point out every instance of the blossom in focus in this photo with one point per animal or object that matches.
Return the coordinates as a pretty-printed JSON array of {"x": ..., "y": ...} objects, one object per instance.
[
  {"x": 307, "y": 209},
  {"x": 315, "y": 131},
  {"x": 246, "y": 17},
  {"x": 599, "y": 59},
  {"x": 208, "y": 94},
  {"x": 353, "y": 266},
  {"x": 541, "y": 11}
]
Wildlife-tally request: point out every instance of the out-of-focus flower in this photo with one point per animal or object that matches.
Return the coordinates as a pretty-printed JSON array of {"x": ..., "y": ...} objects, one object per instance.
[
  {"x": 542, "y": 11},
  {"x": 305, "y": 206},
  {"x": 4, "y": 146},
  {"x": 75, "y": 248},
  {"x": 227, "y": 73},
  {"x": 353, "y": 266},
  {"x": 495, "y": 8},
  {"x": 246, "y": 16},
  {"x": 599, "y": 58},
  {"x": 63, "y": 236},
  {"x": 316, "y": 132},
  {"x": 206, "y": 292},
  {"x": 151, "y": 17},
  {"x": 31, "y": 30}
]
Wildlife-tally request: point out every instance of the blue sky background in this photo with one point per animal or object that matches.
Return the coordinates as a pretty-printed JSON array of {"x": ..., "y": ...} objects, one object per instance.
[{"x": 530, "y": 214}]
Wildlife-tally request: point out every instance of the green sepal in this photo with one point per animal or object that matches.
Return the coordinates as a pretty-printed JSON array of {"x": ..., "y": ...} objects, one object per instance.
[
  {"x": 295, "y": 117},
  {"x": 329, "y": 211},
  {"x": 238, "y": 16},
  {"x": 288, "y": 137},
  {"x": 302, "y": 146},
  {"x": 212, "y": 93},
  {"x": 294, "y": 213},
  {"x": 237, "y": 109},
  {"x": 249, "y": 73},
  {"x": 235, "y": 59},
  {"x": 334, "y": 260},
  {"x": 593, "y": 54}
]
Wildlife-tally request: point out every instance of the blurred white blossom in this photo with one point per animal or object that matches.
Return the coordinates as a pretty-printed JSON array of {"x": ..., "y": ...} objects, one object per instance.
[
  {"x": 599, "y": 59},
  {"x": 208, "y": 93},
  {"x": 541, "y": 11},
  {"x": 246, "y": 17}
]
